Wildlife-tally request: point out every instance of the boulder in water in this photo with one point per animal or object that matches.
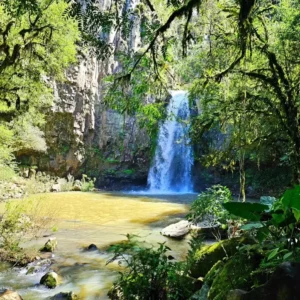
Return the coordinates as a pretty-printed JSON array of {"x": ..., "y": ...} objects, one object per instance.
[
  {"x": 177, "y": 230},
  {"x": 92, "y": 247},
  {"x": 50, "y": 246},
  {"x": 65, "y": 296},
  {"x": 10, "y": 295},
  {"x": 50, "y": 280}
]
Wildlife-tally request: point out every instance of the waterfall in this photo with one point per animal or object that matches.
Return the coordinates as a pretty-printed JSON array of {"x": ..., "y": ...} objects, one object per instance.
[{"x": 173, "y": 160}]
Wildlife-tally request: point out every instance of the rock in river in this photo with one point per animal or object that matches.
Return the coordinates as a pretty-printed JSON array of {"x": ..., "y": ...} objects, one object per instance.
[
  {"x": 50, "y": 245},
  {"x": 50, "y": 280},
  {"x": 177, "y": 230},
  {"x": 10, "y": 295},
  {"x": 92, "y": 247},
  {"x": 65, "y": 296}
]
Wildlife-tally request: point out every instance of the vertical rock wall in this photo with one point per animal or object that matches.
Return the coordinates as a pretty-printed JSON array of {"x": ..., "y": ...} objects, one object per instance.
[{"x": 84, "y": 136}]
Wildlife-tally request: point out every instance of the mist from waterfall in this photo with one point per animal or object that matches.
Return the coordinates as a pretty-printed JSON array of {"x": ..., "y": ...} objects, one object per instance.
[{"x": 173, "y": 160}]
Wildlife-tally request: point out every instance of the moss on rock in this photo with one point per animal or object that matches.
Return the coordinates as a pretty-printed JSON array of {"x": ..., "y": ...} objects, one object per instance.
[
  {"x": 235, "y": 274},
  {"x": 209, "y": 255},
  {"x": 212, "y": 273},
  {"x": 50, "y": 280}
]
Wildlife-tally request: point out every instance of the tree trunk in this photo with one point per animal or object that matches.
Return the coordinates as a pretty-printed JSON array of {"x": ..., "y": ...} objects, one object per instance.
[{"x": 242, "y": 176}]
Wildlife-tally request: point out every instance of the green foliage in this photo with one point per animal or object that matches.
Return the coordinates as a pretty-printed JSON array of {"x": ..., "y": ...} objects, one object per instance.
[
  {"x": 44, "y": 42},
  {"x": 249, "y": 211},
  {"x": 149, "y": 273},
  {"x": 21, "y": 221},
  {"x": 7, "y": 165},
  {"x": 275, "y": 229},
  {"x": 13, "y": 226},
  {"x": 209, "y": 206},
  {"x": 66, "y": 184},
  {"x": 87, "y": 184},
  {"x": 37, "y": 43},
  {"x": 128, "y": 171}
]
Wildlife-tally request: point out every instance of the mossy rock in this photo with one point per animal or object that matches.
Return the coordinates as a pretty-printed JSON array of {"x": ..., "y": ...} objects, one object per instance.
[
  {"x": 235, "y": 274},
  {"x": 283, "y": 285},
  {"x": 50, "y": 280},
  {"x": 213, "y": 272},
  {"x": 209, "y": 255},
  {"x": 50, "y": 246}
]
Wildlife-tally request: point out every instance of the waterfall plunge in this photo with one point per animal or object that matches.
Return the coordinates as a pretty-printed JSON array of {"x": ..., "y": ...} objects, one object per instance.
[{"x": 173, "y": 160}]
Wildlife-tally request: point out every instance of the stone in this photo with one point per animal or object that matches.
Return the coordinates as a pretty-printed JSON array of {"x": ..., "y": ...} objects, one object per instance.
[
  {"x": 209, "y": 231},
  {"x": 50, "y": 280},
  {"x": 92, "y": 247},
  {"x": 10, "y": 295},
  {"x": 55, "y": 188},
  {"x": 25, "y": 173},
  {"x": 32, "y": 173},
  {"x": 201, "y": 294},
  {"x": 37, "y": 266},
  {"x": 65, "y": 296},
  {"x": 237, "y": 270},
  {"x": 284, "y": 284},
  {"x": 177, "y": 230},
  {"x": 76, "y": 188},
  {"x": 50, "y": 245},
  {"x": 208, "y": 255}
]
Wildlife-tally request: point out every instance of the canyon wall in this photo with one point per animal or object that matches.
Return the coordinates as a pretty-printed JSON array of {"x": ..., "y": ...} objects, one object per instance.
[{"x": 83, "y": 135}]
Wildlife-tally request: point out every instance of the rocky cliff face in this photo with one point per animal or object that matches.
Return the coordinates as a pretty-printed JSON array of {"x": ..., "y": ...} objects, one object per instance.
[{"x": 84, "y": 136}]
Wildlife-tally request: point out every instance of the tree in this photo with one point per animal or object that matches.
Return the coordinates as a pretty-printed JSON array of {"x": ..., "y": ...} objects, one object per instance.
[
  {"x": 250, "y": 42},
  {"x": 258, "y": 75},
  {"x": 37, "y": 43}
]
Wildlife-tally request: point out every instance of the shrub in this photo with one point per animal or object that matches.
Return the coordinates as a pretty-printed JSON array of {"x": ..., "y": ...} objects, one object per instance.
[
  {"x": 149, "y": 273},
  {"x": 209, "y": 206},
  {"x": 66, "y": 184},
  {"x": 21, "y": 220},
  {"x": 88, "y": 184}
]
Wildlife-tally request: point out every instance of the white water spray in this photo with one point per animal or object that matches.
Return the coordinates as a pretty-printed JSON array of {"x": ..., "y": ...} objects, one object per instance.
[{"x": 173, "y": 160}]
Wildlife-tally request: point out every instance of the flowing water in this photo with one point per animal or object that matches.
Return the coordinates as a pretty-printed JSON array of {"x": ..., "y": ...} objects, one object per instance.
[
  {"x": 102, "y": 219},
  {"x": 173, "y": 160}
]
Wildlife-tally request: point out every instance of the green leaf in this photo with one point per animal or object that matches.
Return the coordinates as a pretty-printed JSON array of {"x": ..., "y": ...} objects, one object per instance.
[
  {"x": 291, "y": 197},
  {"x": 249, "y": 211},
  {"x": 262, "y": 234},
  {"x": 296, "y": 213},
  {"x": 251, "y": 226},
  {"x": 278, "y": 218},
  {"x": 287, "y": 255},
  {"x": 273, "y": 253}
]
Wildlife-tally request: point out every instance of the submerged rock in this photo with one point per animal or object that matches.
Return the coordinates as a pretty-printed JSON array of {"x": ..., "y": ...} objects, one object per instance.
[
  {"x": 50, "y": 280},
  {"x": 10, "y": 295},
  {"x": 50, "y": 245},
  {"x": 92, "y": 247},
  {"x": 65, "y": 296},
  {"x": 177, "y": 230}
]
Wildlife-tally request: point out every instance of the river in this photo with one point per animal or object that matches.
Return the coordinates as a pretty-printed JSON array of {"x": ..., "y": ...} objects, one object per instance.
[{"x": 81, "y": 219}]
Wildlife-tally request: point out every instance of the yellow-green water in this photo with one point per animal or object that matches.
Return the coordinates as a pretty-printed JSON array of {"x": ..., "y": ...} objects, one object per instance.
[{"x": 101, "y": 219}]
